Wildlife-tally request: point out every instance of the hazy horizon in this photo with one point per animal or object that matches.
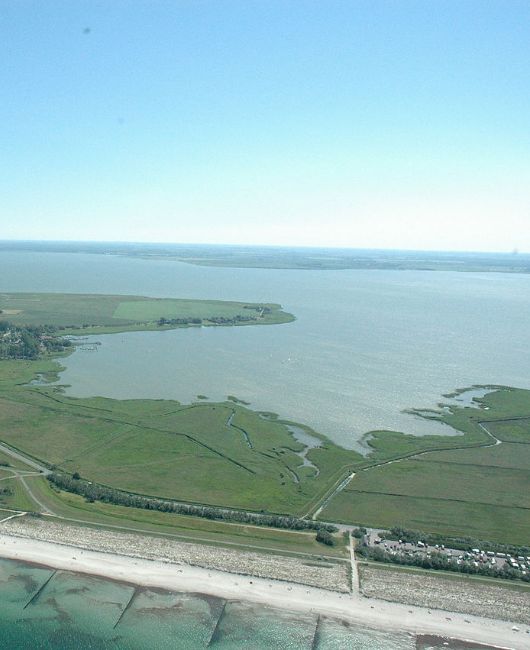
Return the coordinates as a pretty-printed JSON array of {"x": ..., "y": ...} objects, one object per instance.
[{"x": 131, "y": 242}]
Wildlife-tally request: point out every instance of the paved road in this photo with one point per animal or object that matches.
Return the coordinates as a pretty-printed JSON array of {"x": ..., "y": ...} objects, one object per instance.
[
  {"x": 21, "y": 474},
  {"x": 8, "y": 451}
]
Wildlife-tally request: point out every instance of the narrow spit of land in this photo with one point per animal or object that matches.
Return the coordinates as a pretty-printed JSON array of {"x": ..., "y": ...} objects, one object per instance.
[{"x": 99, "y": 314}]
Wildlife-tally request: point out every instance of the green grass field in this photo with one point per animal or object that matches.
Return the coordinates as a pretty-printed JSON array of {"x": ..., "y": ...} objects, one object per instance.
[
  {"x": 72, "y": 507},
  {"x": 17, "y": 499},
  {"x": 195, "y": 453},
  {"x": 511, "y": 430},
  {"x": 224, "y": 454},
  {"x": 227, "y": 455},
  {"x": 481, "y": 492},
  {"x": 89, "y": 313}
]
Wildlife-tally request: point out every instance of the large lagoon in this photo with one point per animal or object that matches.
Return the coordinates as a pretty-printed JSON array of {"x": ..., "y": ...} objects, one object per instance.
[{"x": 365, "y": 346}]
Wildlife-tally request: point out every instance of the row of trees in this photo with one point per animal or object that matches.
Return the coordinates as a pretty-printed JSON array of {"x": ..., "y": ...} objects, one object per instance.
[
  {"x": 325, "y": 537},
  {"x": 462, "y": 543},
  {"x": 218, "y": 320},
  {"x": 225, "y": 320},
  {"x": 440, "y": 562},
  {"x": 179, "y": 321},
  {"x": 94, "y": 492}
]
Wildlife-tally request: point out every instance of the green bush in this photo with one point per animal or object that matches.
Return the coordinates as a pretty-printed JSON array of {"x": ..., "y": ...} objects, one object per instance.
[{"x": 325, "y": 537}]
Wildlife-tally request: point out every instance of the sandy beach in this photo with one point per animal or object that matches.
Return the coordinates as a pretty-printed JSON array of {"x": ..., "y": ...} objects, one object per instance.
[{"x": 280, "y": 594}]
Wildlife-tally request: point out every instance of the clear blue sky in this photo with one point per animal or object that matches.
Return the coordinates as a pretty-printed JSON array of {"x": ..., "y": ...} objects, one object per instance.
[{"x": 364, "y": 124}]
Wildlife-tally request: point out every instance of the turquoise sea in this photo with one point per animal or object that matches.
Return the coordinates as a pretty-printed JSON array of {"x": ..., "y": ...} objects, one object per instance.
[{"x": 43, "y": 609}]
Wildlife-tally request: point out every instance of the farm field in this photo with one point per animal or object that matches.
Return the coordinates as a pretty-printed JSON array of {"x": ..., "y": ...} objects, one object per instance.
[
  {"x": 480, "y": 492},
  {"x": 511, "y": 455},
  {"x": 516, "y": 430},
  {"x": 92, "y": 313}
]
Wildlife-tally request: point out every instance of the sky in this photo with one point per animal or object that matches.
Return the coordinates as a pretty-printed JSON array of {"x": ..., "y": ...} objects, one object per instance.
[{"x": 363, "y": 124}]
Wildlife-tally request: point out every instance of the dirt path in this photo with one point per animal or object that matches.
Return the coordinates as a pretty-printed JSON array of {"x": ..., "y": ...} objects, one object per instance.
[{"x": 355, "y": 584}]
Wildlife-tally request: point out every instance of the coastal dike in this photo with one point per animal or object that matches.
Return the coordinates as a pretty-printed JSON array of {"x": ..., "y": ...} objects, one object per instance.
[{"x": 325, "y": 574}]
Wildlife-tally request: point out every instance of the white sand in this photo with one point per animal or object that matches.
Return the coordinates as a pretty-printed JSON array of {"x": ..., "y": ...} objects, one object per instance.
[{"x": 354, "y": 608}]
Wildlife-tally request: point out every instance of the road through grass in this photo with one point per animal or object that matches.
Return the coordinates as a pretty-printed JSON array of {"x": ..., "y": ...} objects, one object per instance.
[{"x": 481, "y": 492}]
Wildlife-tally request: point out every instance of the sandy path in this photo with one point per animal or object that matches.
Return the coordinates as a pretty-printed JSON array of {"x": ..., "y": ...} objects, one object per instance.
[{"x": 368, "y": 612}]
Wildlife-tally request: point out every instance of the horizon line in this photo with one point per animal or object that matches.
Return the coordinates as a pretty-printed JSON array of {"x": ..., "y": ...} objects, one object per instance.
[{"x": 513, "y": 252}]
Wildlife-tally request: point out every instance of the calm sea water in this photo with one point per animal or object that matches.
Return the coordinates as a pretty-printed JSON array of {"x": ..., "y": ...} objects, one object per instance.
[{"x": 365, "y": 346}]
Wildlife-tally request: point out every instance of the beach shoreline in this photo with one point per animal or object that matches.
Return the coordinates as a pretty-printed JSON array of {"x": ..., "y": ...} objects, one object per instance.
[{"x": 354, "y": 608}]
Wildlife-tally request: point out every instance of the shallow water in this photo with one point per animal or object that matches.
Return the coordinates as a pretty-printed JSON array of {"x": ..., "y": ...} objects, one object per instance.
[
  {"x": 49, "y": 610},
  {"x": 365, "y": 345},
  {"x": 469, "y": 397},
  {"x": 43, "y": 609}
]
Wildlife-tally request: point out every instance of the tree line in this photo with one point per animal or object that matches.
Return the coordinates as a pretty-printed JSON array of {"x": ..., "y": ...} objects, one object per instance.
[
  {"x": 218, "y": 320},
  {"x": 94, "y": 492}
]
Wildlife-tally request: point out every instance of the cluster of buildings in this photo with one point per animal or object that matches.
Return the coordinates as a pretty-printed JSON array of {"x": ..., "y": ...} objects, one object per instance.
[{"x": 476, "y": 557}]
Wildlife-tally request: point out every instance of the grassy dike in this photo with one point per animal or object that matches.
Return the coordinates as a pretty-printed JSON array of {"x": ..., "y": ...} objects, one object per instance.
[{"x": 226, "y": 455}]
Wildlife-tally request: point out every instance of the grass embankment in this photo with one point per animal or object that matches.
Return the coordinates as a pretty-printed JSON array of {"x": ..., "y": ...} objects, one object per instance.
[
  {"x": 72, "y": 507},
  {"x": 460, "y": 578},
  {"x": 481, "y": 492},
  {"x": 100, "y": 314}
]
